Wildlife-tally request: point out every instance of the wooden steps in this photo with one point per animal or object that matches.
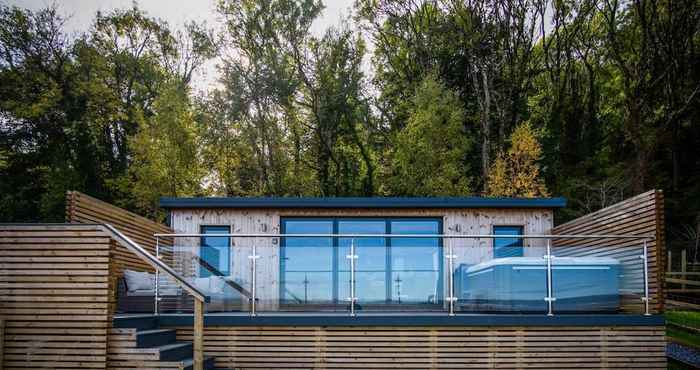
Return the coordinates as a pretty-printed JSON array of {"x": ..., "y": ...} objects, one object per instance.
[{"x": 137, "y": 342}]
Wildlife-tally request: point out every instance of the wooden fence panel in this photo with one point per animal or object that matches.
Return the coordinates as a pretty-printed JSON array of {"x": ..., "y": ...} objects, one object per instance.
[
  {"x": 81, "y": 208},
  {"x": 434, "y": 347},
  {"x": 55, "y": 296},
  {"x": 642, "y": 214}
]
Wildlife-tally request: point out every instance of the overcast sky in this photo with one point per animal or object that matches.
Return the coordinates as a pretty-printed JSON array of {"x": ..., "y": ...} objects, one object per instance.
[{"x": 175, "y": 12}]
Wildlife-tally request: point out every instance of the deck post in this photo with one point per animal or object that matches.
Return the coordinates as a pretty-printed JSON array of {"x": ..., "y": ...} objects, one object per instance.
[
  {"x": 157, "y": 282},
  {"x": 352, "y": 258},
  {"x": 645, "y": 259},
  {"x": 254, "y": 257},
  {"x": 549, "y": 297},
  {"x": 450, "y": 277},
  {"x": 198, "y": 335}
]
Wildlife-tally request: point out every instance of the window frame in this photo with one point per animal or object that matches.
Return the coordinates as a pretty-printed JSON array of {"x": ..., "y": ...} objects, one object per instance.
[
  {"x": 339, "y": 302},
  {"x": 202, "y": 231},
  {"x": 520, "y": 237}
]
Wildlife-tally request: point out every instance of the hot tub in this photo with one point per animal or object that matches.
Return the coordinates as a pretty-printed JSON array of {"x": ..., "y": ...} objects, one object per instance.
[{"x": 519, "y": 284}]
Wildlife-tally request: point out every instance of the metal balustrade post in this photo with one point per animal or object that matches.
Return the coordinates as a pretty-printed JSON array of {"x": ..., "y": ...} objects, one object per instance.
[
  {"x": 352, "y": 256},
  {"x": 450, "y": 278},
  {"x": 254, "y": 257},
  {"x": 549, "y": 299},
  {"x": 645, "y": 259},
  {"x": 156, "y": 298}
]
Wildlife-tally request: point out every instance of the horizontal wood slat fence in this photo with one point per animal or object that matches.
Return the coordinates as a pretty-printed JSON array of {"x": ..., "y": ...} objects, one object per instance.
[
  {"x": 642, "y": 214},
  {"x": 83, "y": 209},
  {"x": 434, "y": 347},
  {"x": 55, "y": 296}
]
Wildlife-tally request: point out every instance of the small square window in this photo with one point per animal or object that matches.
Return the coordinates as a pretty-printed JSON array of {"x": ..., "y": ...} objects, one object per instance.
[
  {"x": 507, "y": 247},
  {"x": 215, "y": 252}
]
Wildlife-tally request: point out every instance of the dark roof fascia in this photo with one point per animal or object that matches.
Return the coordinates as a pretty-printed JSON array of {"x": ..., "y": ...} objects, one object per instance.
[{"x": 356, "y": 202}]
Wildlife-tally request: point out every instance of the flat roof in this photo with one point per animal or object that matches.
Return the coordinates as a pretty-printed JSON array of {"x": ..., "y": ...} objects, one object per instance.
[{"x": 361, "y": 202}]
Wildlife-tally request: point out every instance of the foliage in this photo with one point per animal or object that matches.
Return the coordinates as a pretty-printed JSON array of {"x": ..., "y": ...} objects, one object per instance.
[
  {"x": 166, "y": 158},
  {"x": 611, "y": 88},
  {"x": 516, "y": 173},
  {"x": 429, "y": 157},
  {"x": 70, "y": 107}
]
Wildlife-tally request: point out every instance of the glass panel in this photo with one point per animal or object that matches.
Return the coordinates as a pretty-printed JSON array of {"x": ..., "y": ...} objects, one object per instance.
[
  {"x": 507, "y": 247},
  {"x": 370, "y": 266},
  {"x": 416, "y": 264},
  {"x": 215, "y": 252},
  {"x": 597, "y": 276},
  {"x": 207, "y": 264},
  {"x": 307, "y": 265},
  {"x": 484, "y": 284}
]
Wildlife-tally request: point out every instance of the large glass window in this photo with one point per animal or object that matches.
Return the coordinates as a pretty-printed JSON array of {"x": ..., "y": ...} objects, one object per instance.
[
  {"x": 415, "y": 263},
  {"x": 387, "y": 271},
  {"x": 508, "y": 247},
  {"x": 307, "y": 263},
  {"x": 215, "y": 252}
]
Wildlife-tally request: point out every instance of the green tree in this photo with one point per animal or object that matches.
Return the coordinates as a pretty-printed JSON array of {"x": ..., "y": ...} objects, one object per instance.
[
  {"x": 166, "y": 157},
  {"x": 429, "y": 156}
]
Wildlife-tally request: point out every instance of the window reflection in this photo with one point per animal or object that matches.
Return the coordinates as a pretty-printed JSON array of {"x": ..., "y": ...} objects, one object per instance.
[
  {"x": 397, "y": 271},
  {"x": 307, "y": 263},
  {"x": 215, "y": 252},
  {"x": 507, "y": 247}
]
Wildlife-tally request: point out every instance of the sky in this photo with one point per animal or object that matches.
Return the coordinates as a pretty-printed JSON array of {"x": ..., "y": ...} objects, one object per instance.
[{"x": 80, "y": 14}]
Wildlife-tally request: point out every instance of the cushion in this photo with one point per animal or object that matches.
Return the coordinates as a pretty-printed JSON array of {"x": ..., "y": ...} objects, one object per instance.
[
  {"x": 210, "y": 285},
  {"x": 137, "y": 280}
]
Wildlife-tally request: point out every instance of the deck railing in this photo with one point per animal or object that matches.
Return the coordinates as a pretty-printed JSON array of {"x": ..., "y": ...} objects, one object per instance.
[
  {"x": 453, "y": 274},
  {"x": 200, "y": 297}
]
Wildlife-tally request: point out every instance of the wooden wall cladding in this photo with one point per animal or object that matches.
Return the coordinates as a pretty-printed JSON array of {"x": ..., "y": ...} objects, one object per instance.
[
  {"x": 81, "y": 208},
  {"x": 642, "y": 214},
  {"x": 55, "y": 296},
  {"x": 434, "y": 347}
]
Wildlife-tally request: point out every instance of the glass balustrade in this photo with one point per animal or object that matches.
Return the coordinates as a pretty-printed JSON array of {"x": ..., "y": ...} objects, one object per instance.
[{"x": 355, "y": 267}]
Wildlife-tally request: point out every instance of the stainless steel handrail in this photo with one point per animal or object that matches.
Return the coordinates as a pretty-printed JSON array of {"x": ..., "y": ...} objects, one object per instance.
[
  {"x": 156, "y": 263},
  {"x": 444, "y": 236}
]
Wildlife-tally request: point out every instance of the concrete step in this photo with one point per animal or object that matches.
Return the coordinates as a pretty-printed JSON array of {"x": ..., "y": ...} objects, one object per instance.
[
  {"x": 188, "y": 364},
  {"x": 174, "y": 351},
  {"x": 154, "y": 337}
]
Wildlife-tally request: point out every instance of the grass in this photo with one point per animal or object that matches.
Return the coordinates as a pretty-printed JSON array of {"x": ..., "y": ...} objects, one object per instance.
[
  {"x": 683, "y": 337},
  {"x": 684, "y": 318}
]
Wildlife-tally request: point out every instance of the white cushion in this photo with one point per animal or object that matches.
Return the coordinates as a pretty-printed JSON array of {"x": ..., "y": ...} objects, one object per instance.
[
  {"x": 202, "y": 284},
  {"x": 137, "y": 280},
  {"x": 210, "y": 285},
  {"x": 216, "y": 285}
]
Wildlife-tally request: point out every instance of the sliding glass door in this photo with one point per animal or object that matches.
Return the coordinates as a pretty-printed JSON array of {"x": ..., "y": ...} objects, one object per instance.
[{"x": 390, "y": 272}]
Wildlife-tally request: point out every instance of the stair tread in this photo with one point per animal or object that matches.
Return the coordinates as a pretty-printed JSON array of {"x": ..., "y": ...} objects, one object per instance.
[
  {"x": 153, "y": 331},
  {"x": 169, "y": 346}
]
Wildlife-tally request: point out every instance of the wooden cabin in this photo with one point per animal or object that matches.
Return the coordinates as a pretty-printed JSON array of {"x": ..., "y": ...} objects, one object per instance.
[{"x": 336, "y": 283}]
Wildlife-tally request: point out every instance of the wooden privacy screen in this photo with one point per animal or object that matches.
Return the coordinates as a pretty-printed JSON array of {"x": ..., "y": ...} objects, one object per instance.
[
  {"x": 55, "y": 296},
  {"x": 643, "y": 215},
  {"x": 83, "y": 209},
  {"x": 434, "y": 347}
]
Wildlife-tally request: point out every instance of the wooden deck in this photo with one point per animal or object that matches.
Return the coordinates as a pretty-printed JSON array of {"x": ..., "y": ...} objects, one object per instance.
[{"x": 57, "y": 295}]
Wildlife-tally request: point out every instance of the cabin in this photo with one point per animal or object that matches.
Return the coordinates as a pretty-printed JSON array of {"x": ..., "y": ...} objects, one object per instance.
[{"x": 334, "y": 283}]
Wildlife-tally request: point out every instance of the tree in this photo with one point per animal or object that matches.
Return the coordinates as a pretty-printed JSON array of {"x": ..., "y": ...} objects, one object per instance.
[
  {"x": 166, "y": 157},
  {"x": 429, "y": 156},
  {"x": 516, "y": 172},
  {"x": 70, "y": 106}
]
